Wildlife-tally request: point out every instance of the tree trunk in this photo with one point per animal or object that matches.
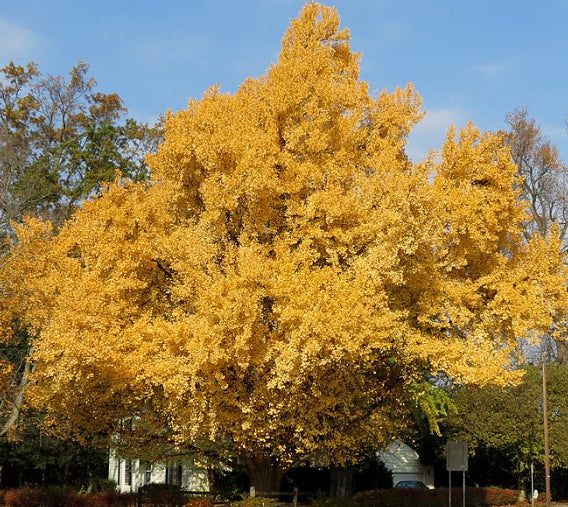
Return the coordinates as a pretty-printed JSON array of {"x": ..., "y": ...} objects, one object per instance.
[
  {"x": 561, "y": 351},
  {"x": 341, "y": 482},
  {"x": 265, "y": 473},
  {"x": 18, "y": 399}
]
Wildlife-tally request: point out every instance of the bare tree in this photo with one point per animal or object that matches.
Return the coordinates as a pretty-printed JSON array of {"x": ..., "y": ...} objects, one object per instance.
[
  {"x": 545, "y": 188},
  {"x": 545, "y": 184}
]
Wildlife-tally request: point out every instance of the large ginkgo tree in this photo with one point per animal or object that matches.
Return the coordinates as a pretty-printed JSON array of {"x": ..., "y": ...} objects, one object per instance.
[{"x": 287, "y": 277}]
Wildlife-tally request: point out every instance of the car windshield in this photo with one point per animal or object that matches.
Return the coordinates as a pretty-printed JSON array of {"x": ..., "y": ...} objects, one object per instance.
[{"x": 410, "y": 484}]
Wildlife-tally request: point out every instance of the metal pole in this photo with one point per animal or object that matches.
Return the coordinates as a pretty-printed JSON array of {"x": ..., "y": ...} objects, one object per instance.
[
  {"x": 532, "y": 484},
  {"x": 546, "y": 443},
  {"x": 463, "y": 493},
  {"x": 450, "y": 488}
]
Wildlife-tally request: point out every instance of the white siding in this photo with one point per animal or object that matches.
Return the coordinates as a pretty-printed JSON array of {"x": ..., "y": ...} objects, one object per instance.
[
  {"x": 158, "y": 473},
  {"x": 113, "y": 466},
  {"x": 404, "y": 463},
  {"x": 193, "y": 477}
]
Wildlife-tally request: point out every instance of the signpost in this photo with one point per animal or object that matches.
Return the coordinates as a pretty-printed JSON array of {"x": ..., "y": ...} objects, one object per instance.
[
  {"x": 456, "y": 460},
  {"x": 546, "y": 443}
]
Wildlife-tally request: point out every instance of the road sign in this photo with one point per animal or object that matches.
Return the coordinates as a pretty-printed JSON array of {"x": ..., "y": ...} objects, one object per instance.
[{"x": 456, "y": 456}]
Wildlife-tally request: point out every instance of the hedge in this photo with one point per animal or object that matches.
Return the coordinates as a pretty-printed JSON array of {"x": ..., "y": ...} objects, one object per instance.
[{"x": 400, "y": 497}]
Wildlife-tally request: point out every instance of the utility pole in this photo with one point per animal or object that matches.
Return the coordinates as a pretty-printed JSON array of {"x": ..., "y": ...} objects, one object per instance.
[{"x": 546, "y": 443}]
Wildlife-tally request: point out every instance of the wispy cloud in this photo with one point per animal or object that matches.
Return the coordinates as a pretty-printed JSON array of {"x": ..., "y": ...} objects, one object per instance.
[
  {"x": 431, "y": 132},
  {"x": 493, "y": 69},
  {"x": 16, "y": 41}
]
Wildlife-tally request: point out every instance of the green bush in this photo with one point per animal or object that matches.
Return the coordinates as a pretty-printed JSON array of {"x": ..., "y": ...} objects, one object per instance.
[
  {"x": 330, "y": 501},
  {"x": 98, "y": 484},
  {"x": 256, "y": 501},
  {"x": 163, "y": 494}
]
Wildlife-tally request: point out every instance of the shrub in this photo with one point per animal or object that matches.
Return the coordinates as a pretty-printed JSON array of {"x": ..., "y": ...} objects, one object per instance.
[
  {"x": 198, "y": 502},
  {"x": 229, "y": 484},
  {"x": 43, "y": 497},
  {"x": 58, "y": 497},
  {"x": 24, "y": 497},
  {"x": 475, "y": 497},
  {"x": 488, "y": 497},
  {"x": 97, "y": 484},
  {"x": 163, "y": 494},
  {"x": 330, "y": 501},
  {"x": 256, "y": 501},
  {"x": 111, "y": 499},
  {"x": 396, "y": 497}
]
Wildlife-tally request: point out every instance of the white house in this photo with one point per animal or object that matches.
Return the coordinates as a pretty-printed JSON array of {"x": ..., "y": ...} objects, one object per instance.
[
  {"x": 404, "y": 463},
  {"x": 130, "y": 475}
]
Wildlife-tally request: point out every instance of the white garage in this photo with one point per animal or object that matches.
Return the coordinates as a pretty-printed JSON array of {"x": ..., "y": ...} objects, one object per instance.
[{"x": 404, "y": 463}]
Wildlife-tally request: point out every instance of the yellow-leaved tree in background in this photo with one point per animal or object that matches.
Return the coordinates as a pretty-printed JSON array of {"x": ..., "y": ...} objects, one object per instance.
[{"x": 288, "y": 274}]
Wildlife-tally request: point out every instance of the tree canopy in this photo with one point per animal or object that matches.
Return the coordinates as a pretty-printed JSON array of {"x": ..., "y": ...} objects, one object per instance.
[
  {"x": 287, "y": 276},
  {"x": 59, "y": 140},
  {"x": 510, "y": 419}
]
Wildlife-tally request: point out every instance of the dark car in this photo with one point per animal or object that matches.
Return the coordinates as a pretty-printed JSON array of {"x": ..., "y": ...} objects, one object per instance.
[{"x": 411, "y": 485}]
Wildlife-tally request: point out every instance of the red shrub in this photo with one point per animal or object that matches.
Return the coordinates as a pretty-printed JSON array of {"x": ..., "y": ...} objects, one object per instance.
[
  {"x": 199, "y": 502},
  {"x": 497, "y": 496},
  {"x": 111, "y": 499},
  {"x": 38, "y": 497},
  {"x": 475, "y": 497},
  {"x": 59, "y": 497},
  {"x": 24, "y": 497}
]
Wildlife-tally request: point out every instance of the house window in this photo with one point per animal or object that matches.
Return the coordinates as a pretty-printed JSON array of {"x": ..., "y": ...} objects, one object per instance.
[
  {"x": 128, "y": 472},
  {"x": 147, "y": 475},
  {"x": 173, "y": 475}
]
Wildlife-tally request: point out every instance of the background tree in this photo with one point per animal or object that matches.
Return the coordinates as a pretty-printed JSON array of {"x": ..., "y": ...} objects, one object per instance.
[
  {"x": 507, "y": 421},
  {"x": 503, "y": 424},
  {"x": 59, "y": 141},
  {"x": 545, "y": 187},
  {"x": 287, "y": 277},
  {"x": 32, "y": 457},
  {"x": 545, "y": 176}
]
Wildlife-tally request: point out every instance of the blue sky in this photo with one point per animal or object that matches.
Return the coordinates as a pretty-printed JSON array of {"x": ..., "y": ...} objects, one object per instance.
[{"x": 469, "y": 60}]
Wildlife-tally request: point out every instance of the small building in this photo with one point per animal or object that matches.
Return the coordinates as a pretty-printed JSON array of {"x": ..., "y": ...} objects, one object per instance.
[
  {"x": 404, "y": 463},
  {"x": 132, "y": 474}
]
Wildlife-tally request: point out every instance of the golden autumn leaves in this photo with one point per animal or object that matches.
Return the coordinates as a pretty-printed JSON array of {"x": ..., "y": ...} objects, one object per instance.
[{"x": 287, "y": 272}]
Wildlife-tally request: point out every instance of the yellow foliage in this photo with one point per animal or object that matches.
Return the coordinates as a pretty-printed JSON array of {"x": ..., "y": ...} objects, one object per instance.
[{"x": 288, "y": 272}]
